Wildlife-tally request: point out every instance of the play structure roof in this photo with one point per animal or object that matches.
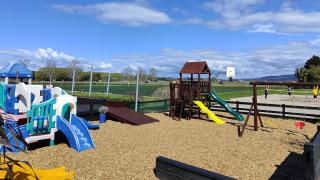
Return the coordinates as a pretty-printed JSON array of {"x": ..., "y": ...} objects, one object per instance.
[
  {"x": 199, "y": 67},
  {"x": 15, "y": 70}
]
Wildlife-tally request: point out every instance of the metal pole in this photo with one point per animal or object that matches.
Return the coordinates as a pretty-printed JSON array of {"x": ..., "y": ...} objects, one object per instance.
[
  {"x": 137, "y": 92},
  {"x": 50, "y": 79},
  {"x": 90, "y": 81},
  {"x": 73, "y": 77},
  {"x": 108, "y": 83}
]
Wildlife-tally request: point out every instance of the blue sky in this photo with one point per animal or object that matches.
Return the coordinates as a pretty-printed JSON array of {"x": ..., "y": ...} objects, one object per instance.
[{"x": 257, "y": 37}]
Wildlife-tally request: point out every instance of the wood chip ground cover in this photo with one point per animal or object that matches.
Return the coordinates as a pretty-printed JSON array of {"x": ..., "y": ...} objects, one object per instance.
[{"x": 129, "y": 152}]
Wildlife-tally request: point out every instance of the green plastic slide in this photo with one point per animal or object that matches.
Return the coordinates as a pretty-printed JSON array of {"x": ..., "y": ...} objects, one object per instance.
[{"x": 225, "y": 105}]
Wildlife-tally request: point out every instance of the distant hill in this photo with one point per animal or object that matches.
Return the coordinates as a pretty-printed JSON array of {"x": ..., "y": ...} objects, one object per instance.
[{"x": 290, "y": 77}]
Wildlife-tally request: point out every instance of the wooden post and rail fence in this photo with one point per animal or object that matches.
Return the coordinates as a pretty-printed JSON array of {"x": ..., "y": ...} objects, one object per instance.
[{"x": 91, "y": 105}]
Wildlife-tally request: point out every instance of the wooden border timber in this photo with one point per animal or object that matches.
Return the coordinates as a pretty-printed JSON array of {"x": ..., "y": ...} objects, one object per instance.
[
  {"x": 170, "y": 169},
  {"x": 312, "y": 156}
]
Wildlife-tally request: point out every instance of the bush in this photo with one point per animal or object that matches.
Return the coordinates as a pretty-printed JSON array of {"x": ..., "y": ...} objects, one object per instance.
[{"x": 114, "y": 97}]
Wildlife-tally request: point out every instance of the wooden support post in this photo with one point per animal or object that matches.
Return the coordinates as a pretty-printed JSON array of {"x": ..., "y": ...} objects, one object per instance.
[
  {"x": 246, "y": 121},
  {"x": 237, "y": 106},
  {"x": 91, "y": 107},
  {"x": 209, "y": 88},
  {"x": 181, "y": 87},
  {"x": 209, "y": 83},
  {"x": 255, "y": 107},
  {"x": 139, "y": 107},
  {"x": 198, "y": 92},
  {"x": 261, "y": 124},
  {"x": 283, "y": 111}
]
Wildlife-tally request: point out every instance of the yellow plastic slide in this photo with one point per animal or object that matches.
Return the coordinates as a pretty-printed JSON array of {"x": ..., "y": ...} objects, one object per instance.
[
  {"x": 25, "y": 172},
  {"x": 210, "y": 114}
]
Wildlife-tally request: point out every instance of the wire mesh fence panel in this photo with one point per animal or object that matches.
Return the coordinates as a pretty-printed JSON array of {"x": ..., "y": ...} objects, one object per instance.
[{"x": 152, "y": 106}]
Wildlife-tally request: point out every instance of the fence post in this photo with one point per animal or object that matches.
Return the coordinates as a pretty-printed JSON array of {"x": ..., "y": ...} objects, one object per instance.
[
  {"x": 139, "y": 106},
  {"x": 73, "y": 77},
  {"x": 91, "y": 107},
  {"x": 283, "y": 111},
  {"x": 137, "y": 92},
  {"x": 237, "y": 106},
  {"x": 165, "y": 105},
  {"x": 90, "y": 85},
  {"x": 108, "y": 84}
]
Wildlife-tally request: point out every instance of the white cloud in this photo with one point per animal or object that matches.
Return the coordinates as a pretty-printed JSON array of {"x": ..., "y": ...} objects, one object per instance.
[
  {"x": 244, "y": 14},
  {"x": 180, "y": 11},
  {"x": 99, "y": 66},
  {"x": 38, "y": 57},
  {"x": 264, "y": 61},
  {"x": 268, "y": 28},
  {"x": 131, "y": 14},
  {"x": 194, "y": 20},
  {"x": 315, "y": 42},
  {"x": 231, "y": 8},
  {"x": 271, "y": 60}
]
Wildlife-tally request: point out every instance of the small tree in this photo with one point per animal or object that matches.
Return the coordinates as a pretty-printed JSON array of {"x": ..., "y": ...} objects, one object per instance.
[
  {"x": 51, "y": 65},
  {"x": 311, "y": 70},
  {"x": 127, "y": 73},
  {"x": 313, "y": 61},
  {"x": 74, "y": 65},
  {"x": 142, "y": 74},
  {"x": 302, "y": 74},
  {"x": 153, "y": 74}
]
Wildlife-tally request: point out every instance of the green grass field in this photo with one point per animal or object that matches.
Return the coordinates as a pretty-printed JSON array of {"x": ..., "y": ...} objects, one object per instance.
[
  {"x": 124, "y": 89},
  {"x": 150, "y": 92}
]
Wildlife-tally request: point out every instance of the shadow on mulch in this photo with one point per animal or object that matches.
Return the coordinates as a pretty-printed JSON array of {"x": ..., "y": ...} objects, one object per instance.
[
  {"x": 59, "y": 138},
  {"x": 89, "y": 117},
  {"x": 166, "y": 113},
  {"x": 293, "y": 167}
]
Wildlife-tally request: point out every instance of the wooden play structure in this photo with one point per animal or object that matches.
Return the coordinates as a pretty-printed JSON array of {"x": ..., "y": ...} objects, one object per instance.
[{"x": 186, "y": 90}]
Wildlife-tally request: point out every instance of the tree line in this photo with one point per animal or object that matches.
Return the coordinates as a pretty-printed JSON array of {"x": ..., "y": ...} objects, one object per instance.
[{"x": 53, "y": 73}]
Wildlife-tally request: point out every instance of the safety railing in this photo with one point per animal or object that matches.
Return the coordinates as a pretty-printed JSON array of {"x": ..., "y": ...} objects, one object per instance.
[{"x": 41, "y": 117}]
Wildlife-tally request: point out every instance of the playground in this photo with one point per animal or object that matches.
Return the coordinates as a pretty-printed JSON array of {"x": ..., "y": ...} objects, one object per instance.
[
  {"x": 45, "y": 122},
  {"x": 128, "y": 152}
]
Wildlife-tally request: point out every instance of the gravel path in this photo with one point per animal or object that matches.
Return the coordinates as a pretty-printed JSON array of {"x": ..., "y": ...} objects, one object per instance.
[{"x": 129, "y": 152}]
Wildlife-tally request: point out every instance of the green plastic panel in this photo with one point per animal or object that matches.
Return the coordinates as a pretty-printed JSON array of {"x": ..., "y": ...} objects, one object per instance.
[
  {"x": 2, "y": 96},
  {"x": 40, "y": 110}
]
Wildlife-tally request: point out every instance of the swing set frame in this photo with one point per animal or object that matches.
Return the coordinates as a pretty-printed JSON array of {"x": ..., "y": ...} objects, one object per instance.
[{"x": 254, "y": 106}]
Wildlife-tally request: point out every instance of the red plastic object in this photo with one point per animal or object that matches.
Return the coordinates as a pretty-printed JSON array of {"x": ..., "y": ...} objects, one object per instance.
[{"x": 300, "y": 124}]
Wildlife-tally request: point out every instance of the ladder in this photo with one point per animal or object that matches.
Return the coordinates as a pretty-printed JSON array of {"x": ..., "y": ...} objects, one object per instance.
[{"x": 177, "y": 110}]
